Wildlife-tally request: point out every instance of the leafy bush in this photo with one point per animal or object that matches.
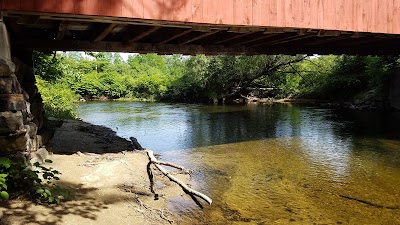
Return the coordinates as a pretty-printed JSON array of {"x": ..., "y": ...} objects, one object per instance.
[
  {"x": 58, "y": 98},
  {"x": 343, "y": 77},
  {"x": 16, "y": 179}
]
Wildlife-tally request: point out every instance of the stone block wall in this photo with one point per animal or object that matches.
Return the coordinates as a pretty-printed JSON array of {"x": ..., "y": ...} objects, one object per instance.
[{"x": 22, "y": 120}]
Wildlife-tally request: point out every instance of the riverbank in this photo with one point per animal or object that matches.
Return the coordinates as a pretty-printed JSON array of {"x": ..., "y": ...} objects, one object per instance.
[
  {"x": 121, "y": 99},
  {"x": 107, "y": 183}
]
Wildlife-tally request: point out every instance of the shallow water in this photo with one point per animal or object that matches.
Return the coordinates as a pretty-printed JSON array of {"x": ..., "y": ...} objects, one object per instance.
[{"x": 272, "y": 164}]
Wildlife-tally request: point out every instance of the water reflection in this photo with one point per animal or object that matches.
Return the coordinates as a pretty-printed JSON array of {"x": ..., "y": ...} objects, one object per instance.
[{"x": 272, "y": 164}]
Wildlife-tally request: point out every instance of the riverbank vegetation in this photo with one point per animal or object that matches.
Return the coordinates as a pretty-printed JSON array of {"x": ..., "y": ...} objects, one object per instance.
[{"x": 64, "y": 78}]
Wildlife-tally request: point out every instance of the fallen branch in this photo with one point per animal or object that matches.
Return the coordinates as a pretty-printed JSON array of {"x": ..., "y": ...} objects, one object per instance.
[
  {"x": 151, "y": 178},
  {"x": 174, "y": 166},
  {"x": 185, "y": 188}
]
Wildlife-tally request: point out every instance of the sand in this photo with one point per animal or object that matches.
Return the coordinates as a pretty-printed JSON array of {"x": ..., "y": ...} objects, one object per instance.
[{"x": 107, "y": 183}]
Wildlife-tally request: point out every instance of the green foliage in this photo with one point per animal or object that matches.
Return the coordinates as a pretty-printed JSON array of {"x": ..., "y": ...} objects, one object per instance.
[
  {"x": 208, "y": 78},
  {"x": 47, "y": 66},
  {"x": 343, "y": 77},
  {"x": 59, "y": 100},
  {"x": 105, "y": 75},
  {"x": 202, "y": 78},
  {"x": 16, "y": 179}
]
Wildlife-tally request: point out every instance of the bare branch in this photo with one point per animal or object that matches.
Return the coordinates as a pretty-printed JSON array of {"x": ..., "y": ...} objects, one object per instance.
[{"x": 185, "y": 188}]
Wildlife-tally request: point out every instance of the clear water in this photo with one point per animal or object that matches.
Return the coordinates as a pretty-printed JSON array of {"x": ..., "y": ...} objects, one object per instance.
[{"x": 271, "y": 164}]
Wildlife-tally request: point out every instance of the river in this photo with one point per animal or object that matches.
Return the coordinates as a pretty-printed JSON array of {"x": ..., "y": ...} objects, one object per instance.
[{"x": 271, "y": 164}]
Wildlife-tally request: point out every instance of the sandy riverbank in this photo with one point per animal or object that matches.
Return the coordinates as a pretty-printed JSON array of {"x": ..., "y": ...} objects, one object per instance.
[{"x": 108, "y": 183}]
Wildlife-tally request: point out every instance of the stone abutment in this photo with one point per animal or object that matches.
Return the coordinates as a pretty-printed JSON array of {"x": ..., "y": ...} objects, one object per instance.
[{"x": 22, "y": 120}]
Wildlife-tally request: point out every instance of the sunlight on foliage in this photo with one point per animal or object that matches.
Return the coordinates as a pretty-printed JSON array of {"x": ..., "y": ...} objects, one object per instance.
[
  {"x": 16, "y": 179},
  {"x": 66, "y": 77},
  {"x": 58, "y": 98}
]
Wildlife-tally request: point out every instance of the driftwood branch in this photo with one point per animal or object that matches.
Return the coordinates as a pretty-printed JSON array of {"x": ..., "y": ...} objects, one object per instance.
[
  {"x": 151, "y": 178},
  {"x": 174, "y": 166},
  {"x": 186, "y": 189}
]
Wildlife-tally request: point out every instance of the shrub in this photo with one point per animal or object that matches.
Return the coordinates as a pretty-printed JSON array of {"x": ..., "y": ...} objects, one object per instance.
[
  {"x": 16, "y": 180},
  {"x": 58, "y": 98}
]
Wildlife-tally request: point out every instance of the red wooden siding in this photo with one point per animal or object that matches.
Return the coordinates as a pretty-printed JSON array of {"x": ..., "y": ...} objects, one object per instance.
[
  {"x": 313, "y": 13},
  {"x": 396, "y": 16},
  {"x": 376, "y": 16},
  {"x": 273, "y": 13},
  {"x": 260, "y": 12}
]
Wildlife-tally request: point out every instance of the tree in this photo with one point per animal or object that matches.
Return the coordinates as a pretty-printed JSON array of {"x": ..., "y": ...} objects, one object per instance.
[{"x": 47, "y": 66}]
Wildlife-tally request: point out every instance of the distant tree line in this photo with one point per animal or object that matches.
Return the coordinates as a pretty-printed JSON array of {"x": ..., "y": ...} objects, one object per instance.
[{"x": 64, "y": 78}]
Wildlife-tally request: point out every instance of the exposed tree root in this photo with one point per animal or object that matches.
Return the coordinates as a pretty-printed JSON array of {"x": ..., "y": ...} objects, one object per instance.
[
  {"x": 150, "y": 213},
  {"x": 186, "y": 189}
]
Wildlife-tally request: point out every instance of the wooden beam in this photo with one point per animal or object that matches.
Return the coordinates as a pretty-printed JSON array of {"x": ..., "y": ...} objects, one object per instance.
[
  {"x": 176, "y": 36},
  {"x": 103, "y": 46},
  {"x": 329, "y": 33},
  {"x": 202, "y": 29},
  {"x": 365, "y": 41},
  {"x": 302, "y": 31},
  {"x": 257, "y": 39},
  {"x": 62, "y": 29},
  {"x": 124, "y": 21},
  {"x": 327, "y": 40},
  {"x": 383, "y": 48},
  {"x": 358, "y": 35},
  {"x": 284, "y": 40},
  {"x": 28, "y": 19},
  {"x": 201, "y": 36},
  {"x": 105, "y": 32},
  {"x": 274, "y": 30},
  {"x": 233, "y": 38},
  {"x": 144, "y": 34},
  {"x": 245, "y": 29}
]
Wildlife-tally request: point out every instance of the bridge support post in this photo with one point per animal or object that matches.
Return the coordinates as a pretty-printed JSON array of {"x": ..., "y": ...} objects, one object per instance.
[{"x": 20, "y": 120}]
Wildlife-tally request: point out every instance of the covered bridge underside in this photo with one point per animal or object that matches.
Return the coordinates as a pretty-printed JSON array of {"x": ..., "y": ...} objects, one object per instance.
[{"x": 204, "y": 26}]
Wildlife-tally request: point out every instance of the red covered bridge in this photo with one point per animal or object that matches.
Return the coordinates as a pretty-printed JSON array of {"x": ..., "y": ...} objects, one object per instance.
[{"x": 206, "y": 26}]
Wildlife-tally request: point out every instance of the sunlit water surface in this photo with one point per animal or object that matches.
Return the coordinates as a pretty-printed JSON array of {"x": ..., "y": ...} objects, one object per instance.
[{"x": 271, "y": 164}]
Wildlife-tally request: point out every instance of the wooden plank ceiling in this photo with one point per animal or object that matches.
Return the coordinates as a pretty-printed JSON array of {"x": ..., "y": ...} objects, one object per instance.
[{"x": 66, "y": 32}]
